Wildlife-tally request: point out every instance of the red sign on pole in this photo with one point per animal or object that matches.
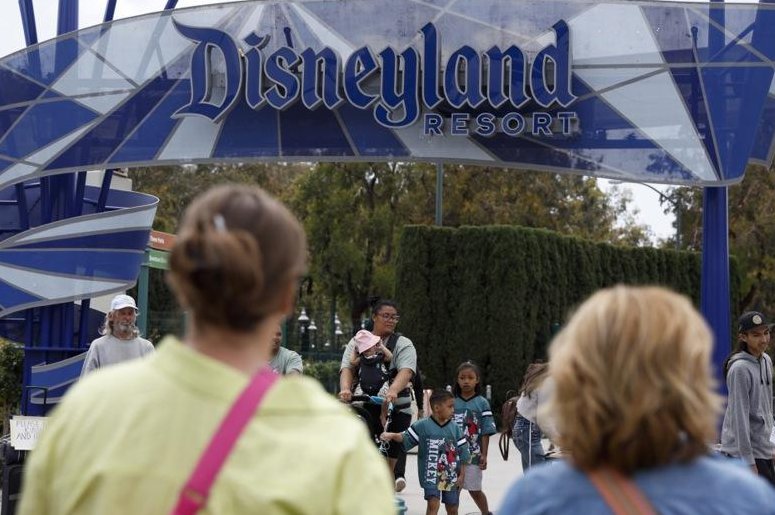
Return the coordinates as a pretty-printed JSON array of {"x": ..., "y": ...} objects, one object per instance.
[{"x": 161, "y": 240}]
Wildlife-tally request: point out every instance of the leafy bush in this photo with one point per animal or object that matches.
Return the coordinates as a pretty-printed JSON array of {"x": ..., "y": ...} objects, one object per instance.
[
  {"x": 327, "y": 372},
  {"x": 11, "y": 366}
]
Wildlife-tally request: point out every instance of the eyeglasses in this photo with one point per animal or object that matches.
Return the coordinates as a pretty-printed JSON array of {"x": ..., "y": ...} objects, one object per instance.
[{"x": 387, "y": 317}]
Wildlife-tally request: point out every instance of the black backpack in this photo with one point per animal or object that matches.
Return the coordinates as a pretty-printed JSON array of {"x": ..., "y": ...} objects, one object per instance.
[{"x": 373, "y": 371}]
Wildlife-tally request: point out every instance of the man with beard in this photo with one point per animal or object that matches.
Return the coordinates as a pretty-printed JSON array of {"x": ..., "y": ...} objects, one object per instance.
[{"x": 120, "y": 340}]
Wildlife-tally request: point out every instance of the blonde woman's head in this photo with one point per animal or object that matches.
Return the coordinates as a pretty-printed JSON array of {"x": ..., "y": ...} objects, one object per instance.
[{"x": 633, "y": 386}]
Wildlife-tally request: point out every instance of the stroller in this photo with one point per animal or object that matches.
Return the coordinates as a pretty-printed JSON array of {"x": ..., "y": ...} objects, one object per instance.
[{"x": 370, "y": 416}]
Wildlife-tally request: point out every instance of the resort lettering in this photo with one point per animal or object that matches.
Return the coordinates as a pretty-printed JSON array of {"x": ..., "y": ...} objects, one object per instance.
[{"x": 407, "y": 81}]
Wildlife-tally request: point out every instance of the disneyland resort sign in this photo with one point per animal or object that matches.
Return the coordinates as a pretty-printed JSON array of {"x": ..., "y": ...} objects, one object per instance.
[{"x": 407, "y": 82}]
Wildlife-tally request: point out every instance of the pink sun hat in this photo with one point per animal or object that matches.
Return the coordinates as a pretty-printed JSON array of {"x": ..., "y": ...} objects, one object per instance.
[{"x": 365, "y": 340}]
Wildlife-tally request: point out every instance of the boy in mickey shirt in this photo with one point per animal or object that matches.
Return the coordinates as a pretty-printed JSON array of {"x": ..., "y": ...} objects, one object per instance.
[{"x": 443, "y": 450}]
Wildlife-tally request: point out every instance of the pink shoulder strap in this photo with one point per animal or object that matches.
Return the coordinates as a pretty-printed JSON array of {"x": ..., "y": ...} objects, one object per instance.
[
  {"x": 620, "y": 493},
  {"x": 196, "y": 490}
]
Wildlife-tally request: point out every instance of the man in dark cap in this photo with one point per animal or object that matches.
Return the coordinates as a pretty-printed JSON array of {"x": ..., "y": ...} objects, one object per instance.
[{"x": 748, "y": 422}]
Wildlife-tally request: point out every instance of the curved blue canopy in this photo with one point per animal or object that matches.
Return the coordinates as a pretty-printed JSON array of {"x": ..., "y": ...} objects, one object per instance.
[{"x": 621, "y": 90}]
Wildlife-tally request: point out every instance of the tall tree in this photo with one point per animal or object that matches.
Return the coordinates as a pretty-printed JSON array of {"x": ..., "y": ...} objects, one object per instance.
[
  {"x": 176, "y": 187},
  {"x": 751, "y": 232},
  {"x": 350, "y": 212},
  {"x": 353, "y": 212},
  {"x": 569, "y": 204}
]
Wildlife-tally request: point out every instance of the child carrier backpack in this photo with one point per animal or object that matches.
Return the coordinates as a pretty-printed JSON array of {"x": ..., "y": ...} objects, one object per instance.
[{"x": 373, "y": 371}]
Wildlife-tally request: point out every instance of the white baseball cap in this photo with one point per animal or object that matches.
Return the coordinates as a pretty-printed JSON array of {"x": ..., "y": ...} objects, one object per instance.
[{"x": 121, "y": 302}]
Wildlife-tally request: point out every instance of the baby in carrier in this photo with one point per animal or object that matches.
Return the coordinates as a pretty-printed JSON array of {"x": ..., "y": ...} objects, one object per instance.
[{"x": 371, "y": 362}]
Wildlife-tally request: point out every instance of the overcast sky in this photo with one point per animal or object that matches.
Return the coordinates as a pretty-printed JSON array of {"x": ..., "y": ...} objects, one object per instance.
[{"x": 92, "y": 11}]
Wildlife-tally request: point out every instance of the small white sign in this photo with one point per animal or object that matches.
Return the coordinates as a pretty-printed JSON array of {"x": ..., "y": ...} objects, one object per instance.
[{"x": 25, "y": 432}]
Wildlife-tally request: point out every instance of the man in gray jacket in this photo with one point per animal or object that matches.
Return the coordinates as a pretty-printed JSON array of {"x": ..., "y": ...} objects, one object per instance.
[{"x": 748, "y": 422}]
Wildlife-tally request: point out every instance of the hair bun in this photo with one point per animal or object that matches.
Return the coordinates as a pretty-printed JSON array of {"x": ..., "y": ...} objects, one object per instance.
[{"x": 236, "y": 253}]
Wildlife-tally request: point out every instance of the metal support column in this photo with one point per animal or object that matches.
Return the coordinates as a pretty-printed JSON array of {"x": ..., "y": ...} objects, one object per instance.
[
  {"x": 714, "y": 289},
  {"x": 715, "y": 292},
  {"x": 143, "y": 281}
]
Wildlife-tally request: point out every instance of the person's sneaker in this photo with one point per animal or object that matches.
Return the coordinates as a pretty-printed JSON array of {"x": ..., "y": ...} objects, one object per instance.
[{"x": 400, "y": 484}]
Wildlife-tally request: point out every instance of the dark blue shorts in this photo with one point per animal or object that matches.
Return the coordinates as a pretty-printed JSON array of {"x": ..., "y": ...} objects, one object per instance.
[{"x": 447, "y": 496}]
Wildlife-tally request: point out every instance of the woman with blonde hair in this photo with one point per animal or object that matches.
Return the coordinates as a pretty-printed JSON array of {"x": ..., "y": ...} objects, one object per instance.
[
  {"x": 205, "y": 425},
  {"x": 635, "y": 411}
]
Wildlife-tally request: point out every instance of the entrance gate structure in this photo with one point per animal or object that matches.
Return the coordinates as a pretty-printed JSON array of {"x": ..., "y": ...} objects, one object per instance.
[{"x": 659, "y": 92}]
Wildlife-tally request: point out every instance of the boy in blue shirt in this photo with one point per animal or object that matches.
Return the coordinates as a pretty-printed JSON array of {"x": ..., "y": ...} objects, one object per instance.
[{"x": 443, "y": 450}]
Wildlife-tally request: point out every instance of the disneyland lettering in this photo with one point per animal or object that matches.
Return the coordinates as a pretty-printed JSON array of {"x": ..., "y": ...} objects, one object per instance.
[{"x": 407, "y": 80}]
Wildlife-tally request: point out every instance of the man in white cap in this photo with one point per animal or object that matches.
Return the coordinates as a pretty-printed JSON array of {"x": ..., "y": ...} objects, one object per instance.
[{"x": 120, "y": 340}]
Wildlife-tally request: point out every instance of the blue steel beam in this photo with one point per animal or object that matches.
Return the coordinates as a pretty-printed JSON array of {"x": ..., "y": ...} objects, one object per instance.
[
  {"x": 27, "y": 12},
  {"x": 110, "y": 11},
  {"x": 28, "y": 22},
  {"x": 67, "y": 21},
  {"x": 715, "y": 289},
  {"x": 714, "y": 286},
  {"x": 29, "y": 27}
]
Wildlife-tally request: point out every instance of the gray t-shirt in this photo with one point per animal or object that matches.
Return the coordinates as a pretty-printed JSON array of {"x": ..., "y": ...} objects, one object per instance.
[
  {"x": 109, "y": 350},
  {"x": 286, "y": 361}
]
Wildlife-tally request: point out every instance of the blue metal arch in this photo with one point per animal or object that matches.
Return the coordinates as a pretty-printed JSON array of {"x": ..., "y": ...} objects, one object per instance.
[
  {"x": 55, "y": 330},
  {"x": 48, "y": 331}
]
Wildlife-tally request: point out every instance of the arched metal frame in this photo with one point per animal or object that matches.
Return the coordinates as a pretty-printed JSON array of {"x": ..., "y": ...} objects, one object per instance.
[{"x": 49, "y": 329}]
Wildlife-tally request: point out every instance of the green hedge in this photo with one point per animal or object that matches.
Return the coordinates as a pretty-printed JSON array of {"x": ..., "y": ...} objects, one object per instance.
[
  {"x": 491, "y": 294},
  {"x": 11, "y": 362},
  {"x": 327, "y": 372}
]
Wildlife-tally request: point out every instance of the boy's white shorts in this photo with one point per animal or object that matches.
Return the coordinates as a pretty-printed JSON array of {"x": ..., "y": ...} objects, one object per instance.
[{"x": 473, "y": 478}]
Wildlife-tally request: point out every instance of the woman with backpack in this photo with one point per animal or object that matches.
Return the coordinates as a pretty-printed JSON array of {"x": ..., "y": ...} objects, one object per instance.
[{"x": 402, "y": 369}]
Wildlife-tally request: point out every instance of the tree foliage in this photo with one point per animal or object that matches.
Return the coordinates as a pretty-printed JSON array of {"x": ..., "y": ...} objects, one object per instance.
[
  {"x": 176, "y": 186},
  {"x": 11, "y": 362},
  {"x": 569, "y": 204},
  {"x": 353, "y": 213},
  {"x": 751, "y": 233}
]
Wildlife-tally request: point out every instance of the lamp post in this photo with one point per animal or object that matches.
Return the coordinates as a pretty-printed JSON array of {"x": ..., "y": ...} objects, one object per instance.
[
  {"x": 313, "y": 333},
  {"x": 337, "y": 330},
  {"x": 303, "y": 321},
  {"x": 672, "y": 199}
]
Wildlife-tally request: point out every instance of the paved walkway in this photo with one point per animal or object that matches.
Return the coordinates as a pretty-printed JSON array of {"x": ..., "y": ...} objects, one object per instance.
[{"x": 498, "y": 477}]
